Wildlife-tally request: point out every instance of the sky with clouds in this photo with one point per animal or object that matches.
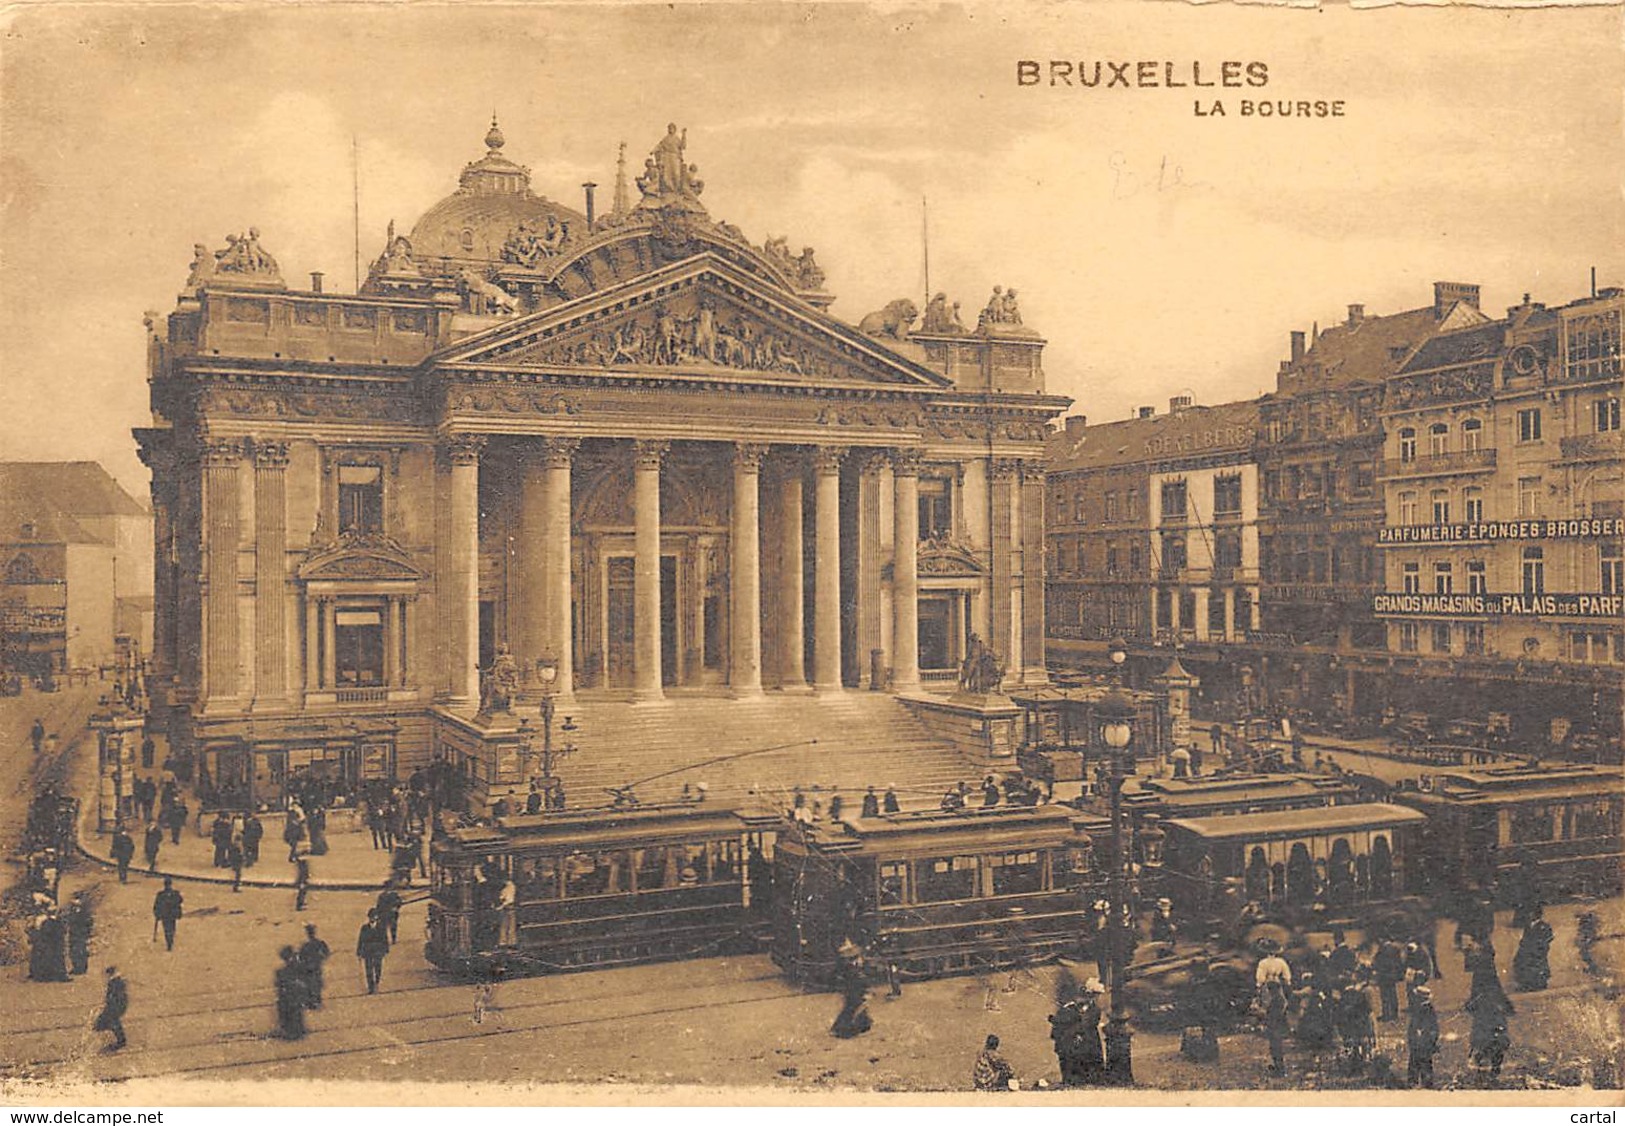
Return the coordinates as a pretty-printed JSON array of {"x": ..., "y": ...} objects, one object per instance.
[{"x": 1158, "y": 251}]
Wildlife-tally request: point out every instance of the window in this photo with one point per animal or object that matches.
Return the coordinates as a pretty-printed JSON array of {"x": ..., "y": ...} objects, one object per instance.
[
  {"x": 1594, "y": 646},
  {"x": 1438, "y": 440},
  {"x": 1476, "y": 582},
  {"x": 1472, "y": 504},
  {"x": 1407, "y": 508},
  {"x": 1016, "y": 873},
  {"x": 1534, "y": 570},
  {"x": 1440, "y": 499},
  {"x": 1111, "y": 560},
  {"x": 1528, "y": 496},
  {"x": 1441, "y": 637},
  {"x": 1613, "y": 569},
  {"x": 1444, "y": 581},
  {"x": 1472, "y": 435},
  {"x": 893, "y": 883},
  {"x": 1174, "y": 501},
  {"x": 358, "y": 646},
  {"x": 1227, "y": 549},
  {"x": 1407, "y": 444},
  {"x": 1111, "y": 508},
  {"x": 1411, "y": 575},
  {"x": 1215, "y": 612},
  {"x": 1365, "y": 477},
  {"x": 1173, "y": 552},
  {"x": 944, "y": 878},
  {"x": 1077, "y": 507},
  {"x": 936, "y": 507},
  {"x": 1408, "y": 637},
  {"x": 1593, "y": 346},
  {"x": 1472, "y": 638},
  {"x": 1135, "y": 563},
  {"x": 1606, "y": 412},
  {"x": 1131, "y": 504},
  {"x": 1227, "y": 495},
  {"x": 1529, "y": 425},
  {"x": 361, "y": 498},
  {"x": 1530, "y": 823}
]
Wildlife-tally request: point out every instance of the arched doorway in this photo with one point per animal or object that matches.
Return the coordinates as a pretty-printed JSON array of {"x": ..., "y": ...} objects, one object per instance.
[
  {"x": 1340, "y": 873},
  {"x": 1300, "y": 875},
  {"x": 1258, "y": 877},
  {"x": 1382, "y": 869}
]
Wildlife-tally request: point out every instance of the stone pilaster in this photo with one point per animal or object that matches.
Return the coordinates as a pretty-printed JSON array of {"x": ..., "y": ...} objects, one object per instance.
[
  {"x": 647, "y": 681},
  {"x": 827, "y": 571},
  {"x": 222, "y": 511},
  {"x": 905, "y": 571},
  {"x": 462, "y": 571},
  {"x": 744, "y": 572},
  {"x": 270, "y": 574}
]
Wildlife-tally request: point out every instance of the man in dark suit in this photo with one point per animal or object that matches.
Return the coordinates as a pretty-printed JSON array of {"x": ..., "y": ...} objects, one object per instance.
[
  {"x": 166, "y": 911},
  {"x": 370, "y": 946}
]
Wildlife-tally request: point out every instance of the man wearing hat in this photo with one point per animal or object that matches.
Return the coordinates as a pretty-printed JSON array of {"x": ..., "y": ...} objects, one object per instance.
[
  {"x": 1421, "y": 1038},
  {"x": 1088, "y": 1049},
  {"x": 1162, "y": 925},
  {"x": 890, "y": 803},
  {"x": 991, "y": 1072},
  {"x": 115, "y": 1003}
]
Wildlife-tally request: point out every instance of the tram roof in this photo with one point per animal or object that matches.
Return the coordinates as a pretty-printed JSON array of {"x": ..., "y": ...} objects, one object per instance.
[
  {"x": 1517, "y": 782},
  {"x": 592, "y": 827},
  {"x": 1297, "y": 822},
  {"x": 1233, "y": 788},
  {"x": 935, "y": 830}
]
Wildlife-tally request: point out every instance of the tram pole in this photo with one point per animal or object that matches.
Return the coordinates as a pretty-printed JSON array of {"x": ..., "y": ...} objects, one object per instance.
[{"x": 1117, "y": 713}]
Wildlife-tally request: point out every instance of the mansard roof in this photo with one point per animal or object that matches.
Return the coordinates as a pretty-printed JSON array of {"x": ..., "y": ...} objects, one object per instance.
[{"x": 1228, "y": 428}]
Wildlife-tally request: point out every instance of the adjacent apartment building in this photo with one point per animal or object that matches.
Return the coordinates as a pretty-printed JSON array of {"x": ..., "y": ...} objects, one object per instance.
[{"x": 1503, "y": 488}]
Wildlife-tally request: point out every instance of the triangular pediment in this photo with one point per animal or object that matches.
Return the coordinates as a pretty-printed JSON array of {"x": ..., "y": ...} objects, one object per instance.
[
  {"x": 360, "y": 558},
  {"x": 702, "y": 317}
]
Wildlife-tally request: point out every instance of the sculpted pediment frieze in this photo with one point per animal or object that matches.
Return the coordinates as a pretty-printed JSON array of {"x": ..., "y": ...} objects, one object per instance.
[
  {"x": 944, "y": 556},
  {"x": 700, "y": 317},
  {"x": 360, "y": 558}
]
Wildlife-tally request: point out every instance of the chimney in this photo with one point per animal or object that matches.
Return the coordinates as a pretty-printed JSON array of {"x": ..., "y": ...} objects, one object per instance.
[
  {"x": 1180, "y": 402},
  {"x": 315, "y": 281},
  {"x": 1356, "y": 314},
  {"x": 589, "y": 188},
  {"x": 1076, "y": 422},
  {"x": 1297, "y": 346},
  {"x": 1446, "y": 294},
  {"x": 1610, "y": 291},
  {"x": 1147, "y": 412}
]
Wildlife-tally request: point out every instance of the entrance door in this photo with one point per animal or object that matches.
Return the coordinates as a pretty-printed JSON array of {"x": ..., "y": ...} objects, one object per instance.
[
  {"x": 670, "y": 670},
  {"x": 621, "y": 637}
]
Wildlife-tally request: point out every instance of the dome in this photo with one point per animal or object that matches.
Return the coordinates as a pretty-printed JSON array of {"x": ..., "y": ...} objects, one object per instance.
[{"x": 492, "y": 199}]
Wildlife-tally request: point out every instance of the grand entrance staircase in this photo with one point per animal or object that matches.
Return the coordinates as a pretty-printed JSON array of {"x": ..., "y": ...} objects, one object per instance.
[{"x": 862, "y": 739}]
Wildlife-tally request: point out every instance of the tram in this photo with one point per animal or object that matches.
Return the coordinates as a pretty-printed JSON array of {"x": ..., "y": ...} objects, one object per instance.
[
  {"x": 934, "y": 893},
  {"x": 597, "y": 888}
]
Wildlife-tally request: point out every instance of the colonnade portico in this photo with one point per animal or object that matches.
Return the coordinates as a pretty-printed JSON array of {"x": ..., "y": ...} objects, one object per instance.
[{"x": 546, "y": 616}]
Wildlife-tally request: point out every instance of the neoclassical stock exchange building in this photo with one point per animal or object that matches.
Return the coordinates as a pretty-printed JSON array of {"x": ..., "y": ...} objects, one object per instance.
[{"x": 619, "y": 456}]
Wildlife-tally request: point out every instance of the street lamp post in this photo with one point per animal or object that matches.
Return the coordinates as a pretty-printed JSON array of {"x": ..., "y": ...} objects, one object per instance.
[{"x": 1116, "y": 714}]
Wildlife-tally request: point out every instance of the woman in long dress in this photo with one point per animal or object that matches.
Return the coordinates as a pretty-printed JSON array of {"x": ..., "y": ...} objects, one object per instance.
[{"x": 290, "y": 996}]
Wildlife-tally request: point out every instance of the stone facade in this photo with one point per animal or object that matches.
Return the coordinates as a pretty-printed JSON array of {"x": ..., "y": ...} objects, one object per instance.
[{"x": 627, "y": 454}]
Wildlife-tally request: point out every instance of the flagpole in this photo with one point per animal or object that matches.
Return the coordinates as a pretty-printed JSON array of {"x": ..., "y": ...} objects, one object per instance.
[
  {"x": 925, "y": 245},
  {"x": 355, "y": 181}
]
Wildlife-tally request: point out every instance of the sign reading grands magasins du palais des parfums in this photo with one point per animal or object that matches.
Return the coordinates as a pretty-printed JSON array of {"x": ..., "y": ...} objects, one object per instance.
[{"x": 1503, "y": 605}]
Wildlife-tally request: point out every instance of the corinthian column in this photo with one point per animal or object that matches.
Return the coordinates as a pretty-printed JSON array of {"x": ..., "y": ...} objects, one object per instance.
[
  {"x": 556, "y": 501},
  {"x": 528, "y": 622},
  {"x": 270, "y": 574},
  {"x": 462, "y": 569},
  {"x": 905, "y": 571},
  {"x": 827, "y": 572},
  {"x": 744, "y": 572},
  {"x": 1001, "y": 628},
  {"x": 792, "y": 594},
  {"x": 221, "y": 514},
  {"x": 646, "y": 678},
  {"x": 1032, "y": 573}
]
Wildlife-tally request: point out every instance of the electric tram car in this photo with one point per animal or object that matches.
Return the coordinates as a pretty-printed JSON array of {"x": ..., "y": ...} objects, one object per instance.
[
  {"x": 596, "y": 888},
  {"x": 934, "y": 893}
]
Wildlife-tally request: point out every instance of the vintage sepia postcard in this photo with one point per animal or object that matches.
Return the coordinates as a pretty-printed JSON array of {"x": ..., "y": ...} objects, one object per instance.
[{"x": 1066, "y": 553}]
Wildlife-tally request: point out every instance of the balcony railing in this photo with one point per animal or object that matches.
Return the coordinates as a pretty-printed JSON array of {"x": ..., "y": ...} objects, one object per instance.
[
  {"x": 361, "y": 695},
  {"x": 1462, "y": 461}
]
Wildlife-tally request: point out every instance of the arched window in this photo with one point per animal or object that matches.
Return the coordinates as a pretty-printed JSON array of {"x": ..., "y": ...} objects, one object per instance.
[
  {"x": 1382, "y": 869},
  {"x": 1300, "y": 875},
  {"x": 1340, "y": 873},
  {"x": 1258, "y": 877},
  {"x": 1438, "y": 440}
]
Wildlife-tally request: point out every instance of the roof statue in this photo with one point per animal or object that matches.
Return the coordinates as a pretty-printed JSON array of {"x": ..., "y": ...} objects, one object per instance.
[
  {"x": 1001, "y": 309},
  {"x": 893, "y": 321},
  {"x": 668, "y": 179},
  {"x": 940, "y": 317},
  {"x": 242, "y": 257},
  {"x": 529, "y": 246},
  {"x": 396, "y": 260}
]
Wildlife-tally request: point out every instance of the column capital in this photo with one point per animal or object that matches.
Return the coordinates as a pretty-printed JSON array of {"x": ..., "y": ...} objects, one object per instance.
[
  {"x": 464, "y": 449},
  {"x": 906, "y": 462},
  {"x": 270, "y": 454},
  {"x": 1032, "y": 470},
  {"x": 828, "y": 459},
  {"x": 1005, "y": 468},
  {"x": 559, "y": 452},
  {"x": 648, "y": 453},
  {"x": 748, "y": 456},
  {"x": 222, "y": 451}
]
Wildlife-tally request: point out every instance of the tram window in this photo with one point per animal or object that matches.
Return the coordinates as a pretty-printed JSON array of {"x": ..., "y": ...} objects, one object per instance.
[
  {"x": 1596, "y": 819},
  {"x": 724, "y": 860},
  {"x": 1531, "y": 823},
  {"x": 893, "y": 883},
  {"x": 659, "y": 867},
  {"x": 536, "y": 880},
  {"x": 591, "y": 874},
  {"x": 1016, "y": 873},
  {"x": 948, "y": 877}
]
